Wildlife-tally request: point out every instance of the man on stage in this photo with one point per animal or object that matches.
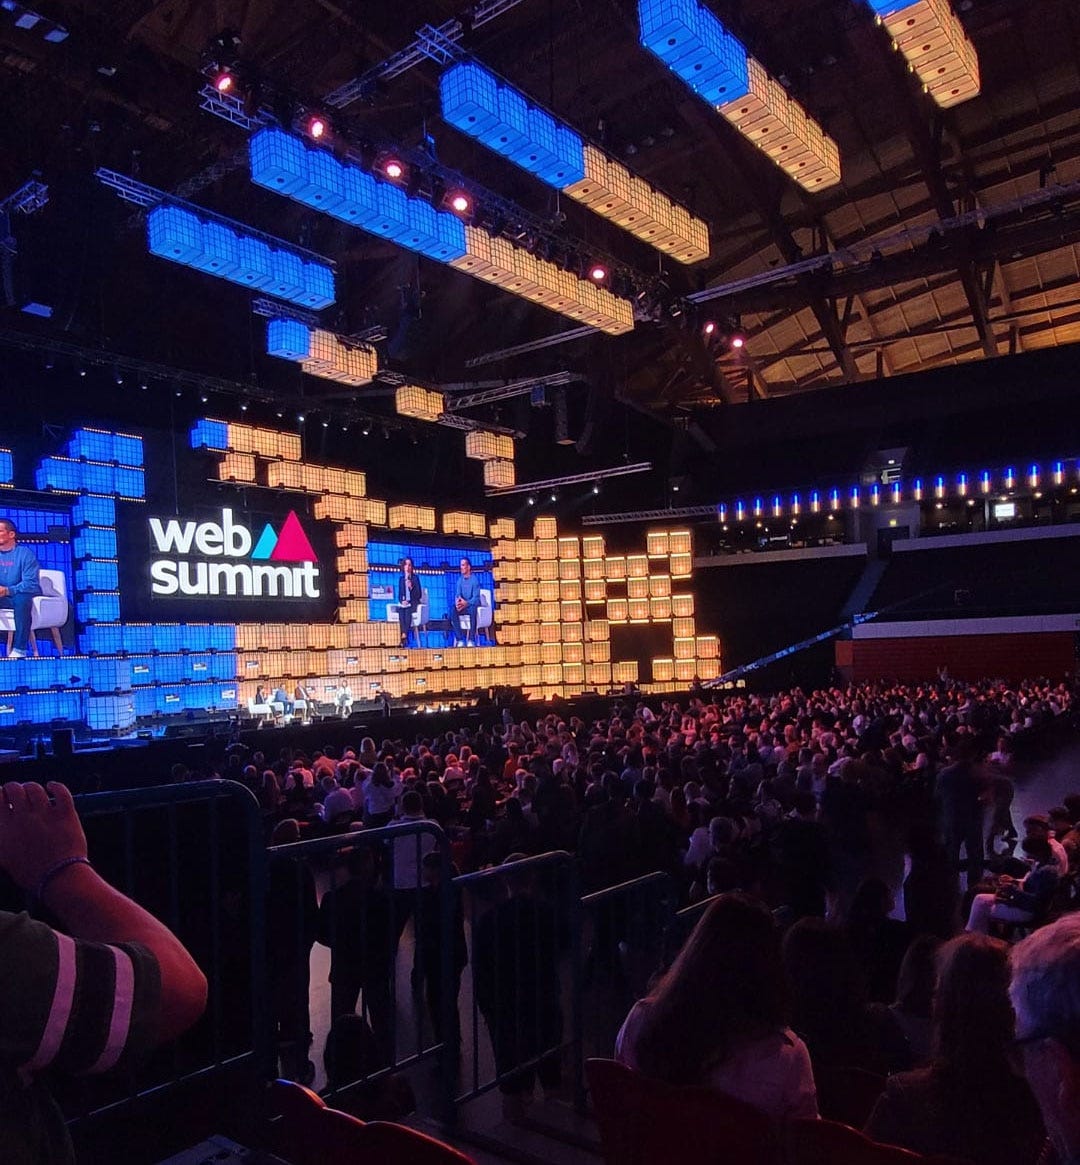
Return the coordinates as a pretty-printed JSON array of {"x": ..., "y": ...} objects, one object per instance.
[
  {"x": 19, "y": 584},
  {"x": 466, "y": 604}
]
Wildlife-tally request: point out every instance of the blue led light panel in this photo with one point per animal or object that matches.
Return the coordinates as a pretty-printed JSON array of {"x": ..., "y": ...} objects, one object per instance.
[
  {"x": 206, "y": 434},
  {"x": 179, "y": 235},
  {"x": 888, "y": 7},
  {"x": 288, "y": 165},
  {"x": 479, "y": 104},
  {"x": 696, "y": 46}
]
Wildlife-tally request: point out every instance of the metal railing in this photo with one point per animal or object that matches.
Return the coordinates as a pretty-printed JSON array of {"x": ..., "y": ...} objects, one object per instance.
[{"x": 547, "y": 975}]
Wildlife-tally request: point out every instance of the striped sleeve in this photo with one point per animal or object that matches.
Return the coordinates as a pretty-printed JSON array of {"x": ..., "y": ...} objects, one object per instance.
[{"x": 77, "y": 1006}]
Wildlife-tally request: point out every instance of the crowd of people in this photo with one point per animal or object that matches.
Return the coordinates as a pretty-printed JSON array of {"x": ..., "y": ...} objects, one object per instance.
[{"x": 798, "y": 819}]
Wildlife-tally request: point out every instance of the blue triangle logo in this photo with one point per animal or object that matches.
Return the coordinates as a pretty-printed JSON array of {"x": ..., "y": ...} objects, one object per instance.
[{"x": 267, "y": 541}]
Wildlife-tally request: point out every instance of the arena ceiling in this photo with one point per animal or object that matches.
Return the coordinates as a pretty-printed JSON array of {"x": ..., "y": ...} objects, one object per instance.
[{"x": 122, "y": 91}]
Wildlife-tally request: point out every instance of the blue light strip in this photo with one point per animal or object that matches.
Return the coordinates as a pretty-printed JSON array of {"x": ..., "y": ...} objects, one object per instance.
[{"x": 285, "y": 164}]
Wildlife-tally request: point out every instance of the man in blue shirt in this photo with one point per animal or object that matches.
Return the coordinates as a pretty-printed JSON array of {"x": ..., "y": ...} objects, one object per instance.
[
  {"x": 19, "y": 584},
  {"x": 466, "y": 604}
]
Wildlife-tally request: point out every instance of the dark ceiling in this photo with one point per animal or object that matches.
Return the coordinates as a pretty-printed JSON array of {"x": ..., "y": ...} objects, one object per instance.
[{"x": 122, "y": 90}]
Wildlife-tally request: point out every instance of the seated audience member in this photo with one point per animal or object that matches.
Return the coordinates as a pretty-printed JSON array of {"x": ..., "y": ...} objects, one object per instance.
[
  {"x": 92, "y": 998},
  {"x": 1045, "y": 994},
  {"x": 1038, "y": 825},
  {"x": 879, "y": 942},
  {"x": 915, "y": 996},
  {"x": 829, "y": 1006},
  {"x": 1021, "y": 901},
  {"x": 718, "y": 1017},
  {"x": 967, "y": 1102}
]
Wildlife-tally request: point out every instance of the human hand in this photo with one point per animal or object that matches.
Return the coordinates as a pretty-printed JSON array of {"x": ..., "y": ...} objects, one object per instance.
[
  {"x": 4, "y": 592},
  {"x": 35, "y": 833}
]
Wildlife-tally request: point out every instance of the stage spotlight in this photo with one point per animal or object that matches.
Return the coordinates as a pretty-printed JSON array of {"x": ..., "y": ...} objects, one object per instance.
[
  {"x": 204, "y": 398},
  {"x": 326, "y": 424},
  {"x": 598, "y": 273},
  {"x": 82, "y": 371},
  {"x": 317, "y": 127},
  {"x": 459, "y": 202},
  {"x": 300, "y": 418},
  {"x": 709, "y": 328},
  {"x": 366, "y": 430},
  {"x": 738, "y": 340},
  {"x": 554, "y": 496},
  {"x": 596, "y": 487},
  {"x": 224, "y": 81},
  {"x": 243, "y": 407},
  {"x": 532, "y": 500},
  {"x": 394, "y": 169}
]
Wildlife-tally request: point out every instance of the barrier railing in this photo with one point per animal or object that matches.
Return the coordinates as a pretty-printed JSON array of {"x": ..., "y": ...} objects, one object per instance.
[
  {"x": 540, "y": 962},
  {"x": 525, "y": 972},
  {"x": 147, "y": 843},
  {"x": 374, "y": 883}
]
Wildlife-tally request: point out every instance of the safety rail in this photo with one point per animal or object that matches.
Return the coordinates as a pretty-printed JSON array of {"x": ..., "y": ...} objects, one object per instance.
[
  {"x": 535, "y": 960},
  {"x": 146, "y": 843}
]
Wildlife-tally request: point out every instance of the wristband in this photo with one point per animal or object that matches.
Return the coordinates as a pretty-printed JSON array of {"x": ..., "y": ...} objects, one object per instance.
[{"x": 43, "y": 882}]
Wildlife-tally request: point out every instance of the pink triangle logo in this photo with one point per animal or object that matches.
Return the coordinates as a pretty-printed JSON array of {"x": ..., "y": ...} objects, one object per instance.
[{"x": 292, "y": 544}]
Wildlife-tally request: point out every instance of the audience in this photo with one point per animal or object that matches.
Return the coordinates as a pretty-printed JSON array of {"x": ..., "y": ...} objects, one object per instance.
[
  {"x": 719, "y": 1016},
  {"x": 967, "y": 1102}
]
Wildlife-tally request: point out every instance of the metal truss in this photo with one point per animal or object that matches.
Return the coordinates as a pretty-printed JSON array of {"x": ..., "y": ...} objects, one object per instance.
[
  {"x": 437, "y": 44},
  {"x": 469, "y": 400},
  {"x": 530, "y": 346},
  {"x": 648, "y": 515},
  {"x": 140, "y": 194},
  {"x": 570, "y": 479},
  {"x": 274, "y": 309},
  {"x": 31, "y": 196}
]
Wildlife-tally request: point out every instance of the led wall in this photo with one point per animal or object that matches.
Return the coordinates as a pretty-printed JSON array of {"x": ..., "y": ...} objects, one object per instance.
[{"x": 179, "y": 600}]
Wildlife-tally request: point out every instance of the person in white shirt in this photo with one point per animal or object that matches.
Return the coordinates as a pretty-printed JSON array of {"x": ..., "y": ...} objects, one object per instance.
[{"x": 380, "y": 793}]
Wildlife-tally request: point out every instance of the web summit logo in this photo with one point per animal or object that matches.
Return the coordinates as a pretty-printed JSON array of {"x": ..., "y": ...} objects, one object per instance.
[{"x": 282, "y": 565}]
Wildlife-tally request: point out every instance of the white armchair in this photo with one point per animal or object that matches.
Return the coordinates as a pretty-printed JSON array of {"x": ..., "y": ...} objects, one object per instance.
[
  {"x": 420, "y": 616},
  {"x": 263, "y": 712},
  {"x": 483, "y": 614},
  {"x": 49, "y": 611}
]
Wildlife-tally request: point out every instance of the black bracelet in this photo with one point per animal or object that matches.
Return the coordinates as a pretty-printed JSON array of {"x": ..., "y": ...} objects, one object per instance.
[{"x": 43, "y": 882}]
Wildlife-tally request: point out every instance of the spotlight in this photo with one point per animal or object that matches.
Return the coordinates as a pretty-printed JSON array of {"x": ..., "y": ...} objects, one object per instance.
[
  {"x": 326, "y": 424},
  {"x": 738, "y": 340},
  {"x": 118, "y": 378},
  {"x": 554, "y": 496},
  {"x": 243, "y": 407},
  {"x": 366, "y": 430},
  {"x": 459, "y": 202},
  {"x": 144, "y": 386},
  {"x": 300, "y": 418},
  {"x": 82, "y": 371},
  {"x": 204, "y": 398},
  {"x": 393, "y": 169},
  {"x": 598, "y": 273},
  {"x": 596, "y": 487},
  {"x": 532, "y": 500},
  {"x": 709, "y": 328},
  {"x": 316, "y": 128},
  {"x": 224, "y": 81}
]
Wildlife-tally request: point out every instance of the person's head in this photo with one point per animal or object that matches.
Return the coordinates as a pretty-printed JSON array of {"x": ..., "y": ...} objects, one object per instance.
[
  {"x": 286, "y": 832},
  {"x": 805, "y": 804},
  {"x": 972, "y": 1017},
  {"x": 725, "y": 987},
  {"x": 1037, "y": 825},
  {"x": 1037, "y": 848},
  {"x": 9, "y": 534},
  {"x": 917, "y": 976},
  {"x": 407, "y": 565},
  {"x": 380, "y": 774},
  {"x": 828, "y": 988},
  {"x": 873, "y": 902},
  {"x": 466, "y": 567},
  {"x": 412, "y": 804},
  {"x": 1045, "y": 994},
  {"x": 431, "y": 868}
]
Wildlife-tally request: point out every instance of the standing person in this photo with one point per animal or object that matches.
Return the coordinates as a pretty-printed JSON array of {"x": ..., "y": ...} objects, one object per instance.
[
  {"x": 1045, "y": 996},
  {"x": 409, "y": 593},
  {"x": 20, "y": 581},
  {"x": 515, "y": 961},
  {"x": 961, "y": 787},
  {"x": 466, "y": 605},
  {"x": 117, "y": 983},
  {"x": 429, "y": 950}
]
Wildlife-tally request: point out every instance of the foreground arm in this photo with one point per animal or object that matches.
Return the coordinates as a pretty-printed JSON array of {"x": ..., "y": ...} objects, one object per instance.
[{"x": 35, "y": 836}]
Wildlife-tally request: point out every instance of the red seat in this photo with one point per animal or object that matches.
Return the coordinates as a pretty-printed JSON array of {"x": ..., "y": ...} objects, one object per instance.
[
  {"x": 826, "y": 1142},
  {"x": 646, "y": 1122},
  {"x": 310, "y": 1133}
]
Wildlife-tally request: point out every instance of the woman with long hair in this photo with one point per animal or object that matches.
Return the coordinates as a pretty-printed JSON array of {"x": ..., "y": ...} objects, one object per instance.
[
  {"x": 968, "y": 1102},
  {"x": 718, "y": 1016},
  {"x": 380, "y": 792}
]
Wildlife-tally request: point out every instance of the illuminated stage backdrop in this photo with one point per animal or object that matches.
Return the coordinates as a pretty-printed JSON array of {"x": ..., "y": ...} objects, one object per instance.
[{"x": 183, "y": 609}]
